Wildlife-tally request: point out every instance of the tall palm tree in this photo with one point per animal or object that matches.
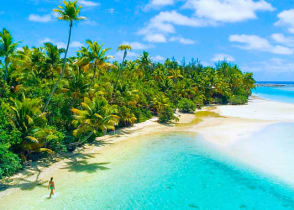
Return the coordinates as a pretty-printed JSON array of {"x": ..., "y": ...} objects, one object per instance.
[
  {"x": 124, "y": 48},
  {"x": 7, "y": 48},
  {"x": 69, "y": 12}
]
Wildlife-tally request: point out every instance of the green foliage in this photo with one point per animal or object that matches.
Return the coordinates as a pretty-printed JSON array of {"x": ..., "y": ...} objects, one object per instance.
[
  {"x": 166, "y": 115},
  {"x": 186, "y": 106},
  {"x": 9, "y": 135},
  {"x": 95, "y": 117},
  {"x": 237, "y": 100},
  {"x": 9, "y": 162}
]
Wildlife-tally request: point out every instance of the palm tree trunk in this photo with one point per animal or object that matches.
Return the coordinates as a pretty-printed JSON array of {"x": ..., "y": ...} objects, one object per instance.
[
  {"x": 94, "y": 74},
  {"x": 84, "y": 140},
  {"x": 63, "y": 69},
  {"x": 6, "y": 73},
  {"x": 6, "y": 69},
  {"x": 120, "y": 69}
]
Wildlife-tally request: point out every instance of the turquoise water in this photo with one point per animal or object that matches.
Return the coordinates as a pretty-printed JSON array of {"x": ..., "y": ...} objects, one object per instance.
[
  {"x": 173, "y": 171},
  {"x": 282, "y": 94}
]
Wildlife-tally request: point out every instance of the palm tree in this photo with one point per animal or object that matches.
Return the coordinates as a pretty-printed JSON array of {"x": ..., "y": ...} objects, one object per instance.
[
  {"x": 26, "y": 114},
  {"x": 7, "y": 48},
  {"x": 95, "y": 116},
  {"x": 160, "y": 102},
  {"x": 93, "y": 57},
  {"x": 69, "y": 12},
  {"x": 145, "y": 63},
  {"x": 126, "y": 116},
  {"x": 53, "y": 57},
  {"x": 28, "y": 118},
  {"x": 124, "y": 48}
]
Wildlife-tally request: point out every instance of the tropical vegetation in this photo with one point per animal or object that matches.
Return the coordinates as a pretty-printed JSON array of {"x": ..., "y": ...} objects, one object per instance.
[{"x": 52, "y": 103}]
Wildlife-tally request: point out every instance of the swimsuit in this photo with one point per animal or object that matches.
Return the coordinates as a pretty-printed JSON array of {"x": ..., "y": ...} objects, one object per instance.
[{"x": 51, "y": 186}]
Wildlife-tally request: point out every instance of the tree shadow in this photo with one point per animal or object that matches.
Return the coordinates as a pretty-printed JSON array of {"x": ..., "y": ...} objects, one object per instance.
[
  {"x": 79, "y": 163},
  {"x": 25, "y": 184},
  {"x": 29, "y": 179},
  {"x": 84, "y": 166},
  {"x": 30, "y": 185},
  {"x": 99, "y": 143}
]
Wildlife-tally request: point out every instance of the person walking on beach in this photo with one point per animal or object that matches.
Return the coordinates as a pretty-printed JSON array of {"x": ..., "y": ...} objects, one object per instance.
[{"x": 51, "y": 186}]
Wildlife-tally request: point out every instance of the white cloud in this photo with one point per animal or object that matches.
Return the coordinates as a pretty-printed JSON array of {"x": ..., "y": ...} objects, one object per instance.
[
  {"x": 158, "y": 58},
  {"x": 156, "y": 38},
  {"x": 89, "y": 3},
  {"x": 182, "y": 40},
  {"x": 40, "y": 18},
  {"x": 164, "y": 22},
  {"x": 74, "y": 44},
  {"x": 227, "y": 10},
  {"x": 155, "y": 4},
  {"x": 253, "y": 42},
  {"x": 280, "y": 38},
  {"x": 58, "y": 44},
  {"x": 277, "y": 65},
  {"x": 137, "y": 45},
  {"x": 89, "y": 22},
  {"x": 119, "y": 55},
  {"x": 206, "y": 13},
  {"x": 222, "y": 57},
  {"x": 286, "y": 18}
]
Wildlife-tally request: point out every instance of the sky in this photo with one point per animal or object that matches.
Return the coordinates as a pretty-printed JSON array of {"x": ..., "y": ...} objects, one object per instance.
[{"x": 257, "y": 35}]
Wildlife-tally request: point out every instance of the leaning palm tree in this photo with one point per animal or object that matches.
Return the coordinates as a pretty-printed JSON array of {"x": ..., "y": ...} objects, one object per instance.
[
  {"x": 7, "y": 48},
  {"x": 69, "y": 12}
]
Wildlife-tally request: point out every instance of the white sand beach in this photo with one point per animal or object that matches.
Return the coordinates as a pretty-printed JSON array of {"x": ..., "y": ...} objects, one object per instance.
[{"x": 240, "y": 121}]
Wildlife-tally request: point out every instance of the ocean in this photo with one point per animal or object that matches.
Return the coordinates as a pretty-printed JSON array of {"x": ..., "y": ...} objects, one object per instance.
[{"x": 283, "y": 93}]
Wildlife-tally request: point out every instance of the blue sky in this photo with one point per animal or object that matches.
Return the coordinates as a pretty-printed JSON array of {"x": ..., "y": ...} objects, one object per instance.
[{"x": 258, "y": 35}]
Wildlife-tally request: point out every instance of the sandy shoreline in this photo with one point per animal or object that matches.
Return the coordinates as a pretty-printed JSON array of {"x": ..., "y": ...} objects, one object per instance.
[{"x": 232, "y": 124}]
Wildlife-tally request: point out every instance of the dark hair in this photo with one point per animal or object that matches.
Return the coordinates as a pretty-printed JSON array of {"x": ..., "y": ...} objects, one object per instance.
[{"x": 51, "y": 179}]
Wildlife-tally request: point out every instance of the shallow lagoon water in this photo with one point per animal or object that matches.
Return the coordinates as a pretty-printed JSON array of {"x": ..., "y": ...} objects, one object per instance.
[
  {"x": 282, "y": 94},
  {"x": 168, "y": 171}
]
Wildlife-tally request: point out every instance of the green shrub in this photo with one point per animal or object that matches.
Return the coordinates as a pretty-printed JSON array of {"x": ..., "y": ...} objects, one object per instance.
[
  {"x": 237, "y": 100},
  {"x": 167, "y": 115},
  {"x": 199, "y": 101},
  {"x": 56, "y": 144},
  {"x": 186, "y": 106},
  {"x": 142, "y": 114},
  {"x": 9, "y": 162}
]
